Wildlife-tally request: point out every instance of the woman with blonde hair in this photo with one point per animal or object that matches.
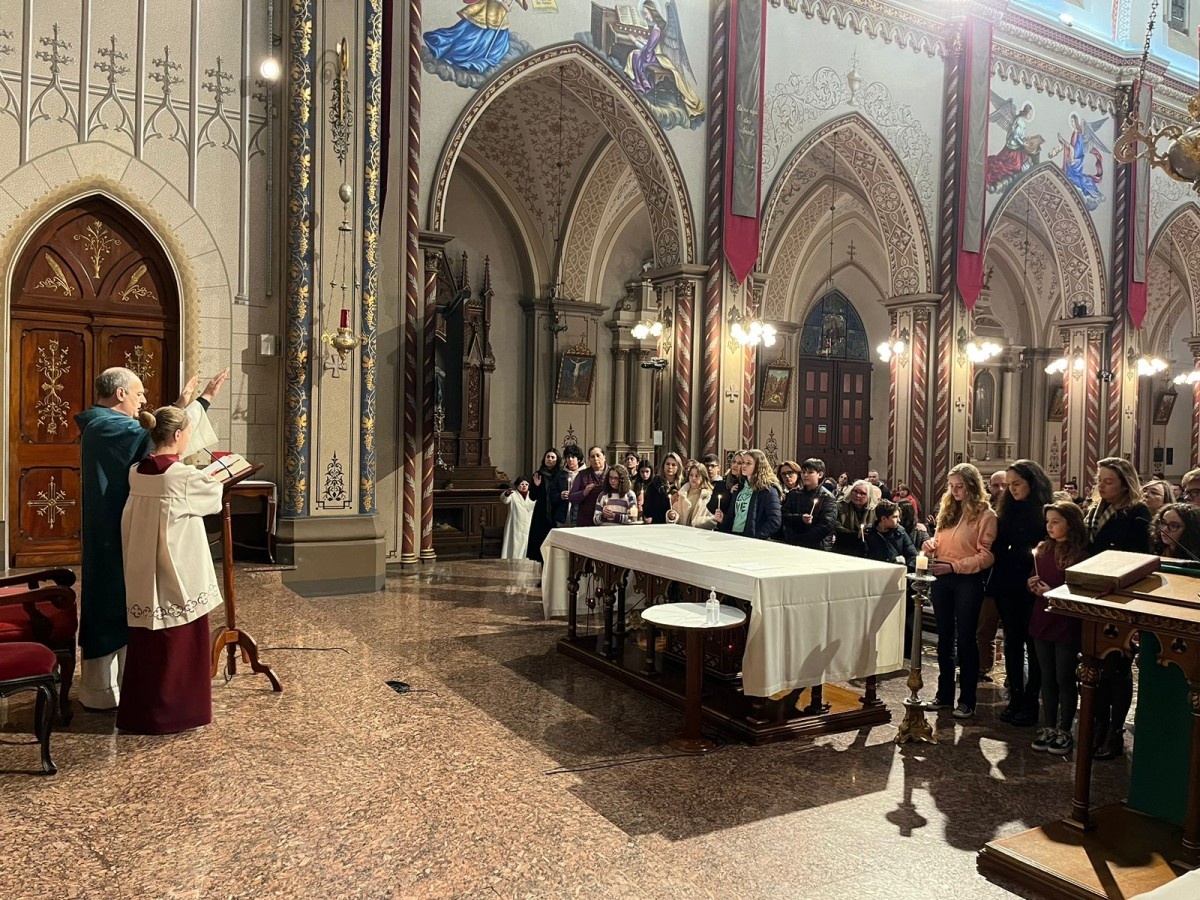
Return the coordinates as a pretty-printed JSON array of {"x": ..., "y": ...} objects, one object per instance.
[
  {"x": 689, "y": 506},
  {"x": 1156, "y": 494},
  {"x": 962, "y": 551},
  {"x": 754, "y": 509},
  {"x": 1116, "y": 520}
]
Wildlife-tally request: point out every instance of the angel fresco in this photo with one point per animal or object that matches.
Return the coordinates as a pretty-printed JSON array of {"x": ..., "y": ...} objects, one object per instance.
[
  {"x": 469, "y": 50},
  {"x": 646, "y": 43},
  {"x": 1083, "y": 143},
  {"x": 1021, "y": 151}
]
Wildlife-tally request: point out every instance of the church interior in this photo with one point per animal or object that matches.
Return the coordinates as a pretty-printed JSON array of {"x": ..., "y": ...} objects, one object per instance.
[{"x": 909, "y": 239}]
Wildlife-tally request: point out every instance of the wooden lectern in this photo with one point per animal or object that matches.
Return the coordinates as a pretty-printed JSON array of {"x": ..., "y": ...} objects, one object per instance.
[
  {"x": 1117, "y": 850},
  {"x": 230, "y": 636}
]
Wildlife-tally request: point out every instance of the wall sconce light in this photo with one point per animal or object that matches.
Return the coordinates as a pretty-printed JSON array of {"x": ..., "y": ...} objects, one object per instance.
[
  {"x": 977, "y": 351},
  {"x": 749, "y": 331},
  {"x": 895, "y": 345},
  {"x": 269, "y": 69},
  {"x": 1146, "y": 365},
  {"x": 1075, "y": 362},
  {"x": 1192, "y": 377}
]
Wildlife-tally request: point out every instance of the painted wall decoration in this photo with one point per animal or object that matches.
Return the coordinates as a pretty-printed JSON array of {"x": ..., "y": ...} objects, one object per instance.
[
  {"x": 470, "y": 50},
  {"x": 645, "y": 42},
  {"x": 1081, "y": 151}
]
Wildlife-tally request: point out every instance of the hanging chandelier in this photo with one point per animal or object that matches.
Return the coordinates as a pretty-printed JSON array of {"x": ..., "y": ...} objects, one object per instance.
[
  {"x": 1138, "y": 139},
  {"x": 750, "y": 331}
]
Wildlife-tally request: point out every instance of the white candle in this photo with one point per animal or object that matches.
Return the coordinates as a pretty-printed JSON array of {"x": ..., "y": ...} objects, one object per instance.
[{"x": 922, "y": 562}]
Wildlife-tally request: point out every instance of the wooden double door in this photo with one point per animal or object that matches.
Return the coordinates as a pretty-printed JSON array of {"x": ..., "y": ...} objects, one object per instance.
[
  {"x": 93, "y": 289},
  {"x": 835, "y": 414}
]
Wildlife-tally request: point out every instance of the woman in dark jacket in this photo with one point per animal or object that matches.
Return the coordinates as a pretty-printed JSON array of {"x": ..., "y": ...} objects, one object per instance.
[
  {"x": 754, "y": 510},
  {"x": 1117, "y": 520},
  {"x": 657, "y": 500},
  {"x": 550, "y": 509},
  {"x": 1020, "y": 527}
]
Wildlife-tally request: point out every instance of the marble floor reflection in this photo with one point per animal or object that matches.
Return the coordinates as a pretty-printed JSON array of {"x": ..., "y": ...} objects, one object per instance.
[{"x": 507, "y": 770}]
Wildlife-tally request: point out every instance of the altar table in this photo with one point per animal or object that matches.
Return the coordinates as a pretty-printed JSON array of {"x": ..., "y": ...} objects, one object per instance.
[{"x": 815, "y": 617}]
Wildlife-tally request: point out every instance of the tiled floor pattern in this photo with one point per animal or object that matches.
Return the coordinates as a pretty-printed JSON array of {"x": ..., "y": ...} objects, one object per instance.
[{"x": 508, "y": 771}]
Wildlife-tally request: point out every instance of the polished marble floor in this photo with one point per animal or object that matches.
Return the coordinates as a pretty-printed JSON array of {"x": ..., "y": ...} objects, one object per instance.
[{"x": 507, "y": 771}]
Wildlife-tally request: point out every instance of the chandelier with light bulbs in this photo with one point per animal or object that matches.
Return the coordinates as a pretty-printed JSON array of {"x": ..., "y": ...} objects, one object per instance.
[
  {"x": 750, "y": 331},
  {"x": 1138, "y": 140},
  {"x": 647, "y": 328},
  {"x": 893, "y": 346}
]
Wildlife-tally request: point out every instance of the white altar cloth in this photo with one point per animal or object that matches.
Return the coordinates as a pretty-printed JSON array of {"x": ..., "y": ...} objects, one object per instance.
[{"x": 815, "y": 616}]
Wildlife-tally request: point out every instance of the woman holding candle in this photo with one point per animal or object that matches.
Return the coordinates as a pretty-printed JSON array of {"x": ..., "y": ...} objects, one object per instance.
[
  {"x": 690, "y": 503},
  {"x": 657, "y": 499},
  {"x": 962, "y": 550},
  {"x": 854, "y": 517}
]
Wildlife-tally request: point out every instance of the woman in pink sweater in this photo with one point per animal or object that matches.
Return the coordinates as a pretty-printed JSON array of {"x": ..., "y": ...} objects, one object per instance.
[{"x": 962, "y": 551}]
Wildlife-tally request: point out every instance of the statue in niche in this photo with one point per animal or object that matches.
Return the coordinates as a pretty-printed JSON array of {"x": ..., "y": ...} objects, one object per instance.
[
  {"x": 833, "y": 335},
  {"x": 984, "y": 411}
]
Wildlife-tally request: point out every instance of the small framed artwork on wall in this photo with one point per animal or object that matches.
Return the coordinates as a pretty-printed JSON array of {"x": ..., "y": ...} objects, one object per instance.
[
  {"x": 1057, "y": 410},
  {"x": 576, "y": 373},
  {"x": 1164, "y": 406},
  {"x": 776, "y": 386}
]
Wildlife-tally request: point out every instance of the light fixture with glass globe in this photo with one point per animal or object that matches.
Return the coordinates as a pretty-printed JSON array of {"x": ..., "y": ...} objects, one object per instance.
[
  {"x": 749, "y": 331},
  {"x": 893, "y": 346},
  {"x": 647, "y": 328}
]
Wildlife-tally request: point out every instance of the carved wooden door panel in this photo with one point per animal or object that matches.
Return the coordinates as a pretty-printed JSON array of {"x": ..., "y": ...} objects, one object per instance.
[{"x": 93, "y": 289}]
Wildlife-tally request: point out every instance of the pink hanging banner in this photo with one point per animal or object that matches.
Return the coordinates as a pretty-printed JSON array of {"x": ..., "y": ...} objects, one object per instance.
[
  {"x": 744, "y": 134},
  {"x": 972, "y": 193}
]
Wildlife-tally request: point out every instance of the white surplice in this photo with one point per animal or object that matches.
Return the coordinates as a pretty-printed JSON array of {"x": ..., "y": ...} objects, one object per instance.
[
  {"x": 516, "y": 529},
  {"x": 169, "y": 574}
]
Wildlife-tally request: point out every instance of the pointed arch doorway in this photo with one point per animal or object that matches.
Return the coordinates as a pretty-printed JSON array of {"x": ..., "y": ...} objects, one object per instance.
[
  {"x": 93, "y": 288},
  {"x": 835, "y": 387}
]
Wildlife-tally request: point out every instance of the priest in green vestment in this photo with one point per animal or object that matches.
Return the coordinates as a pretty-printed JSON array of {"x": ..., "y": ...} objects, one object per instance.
[{"x": 111, "y": 442}]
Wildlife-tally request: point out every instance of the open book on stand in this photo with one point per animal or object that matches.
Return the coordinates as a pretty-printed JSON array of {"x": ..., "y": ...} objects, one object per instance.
[{"x": 227, "y": 466}]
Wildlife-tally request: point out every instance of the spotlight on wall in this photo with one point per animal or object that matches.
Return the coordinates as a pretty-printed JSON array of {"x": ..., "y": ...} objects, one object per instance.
[
  {"x": 1067, "y": 19},
  {"x": 269, "y": 69}
]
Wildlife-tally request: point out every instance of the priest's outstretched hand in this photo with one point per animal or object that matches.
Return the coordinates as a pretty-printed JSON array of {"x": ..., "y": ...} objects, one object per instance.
[
  {"x": 189, "y": 390},
  {"x": 214, "y": 385}
]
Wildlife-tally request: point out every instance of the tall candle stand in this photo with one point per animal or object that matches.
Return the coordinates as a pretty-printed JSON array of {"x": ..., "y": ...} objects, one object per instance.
[{"x": 915, "y": 727}]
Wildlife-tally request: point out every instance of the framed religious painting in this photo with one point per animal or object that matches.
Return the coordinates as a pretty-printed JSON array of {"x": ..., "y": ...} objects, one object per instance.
[
  {"x": 576, "y": 373},
  {"x": 1057, "y": 411},
  {"x": 1164, "y": 406},
  {"x": 776, "y": 386}
]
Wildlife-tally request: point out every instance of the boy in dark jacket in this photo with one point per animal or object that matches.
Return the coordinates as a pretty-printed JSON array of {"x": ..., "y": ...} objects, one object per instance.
[{"x": 886, "y": 540}]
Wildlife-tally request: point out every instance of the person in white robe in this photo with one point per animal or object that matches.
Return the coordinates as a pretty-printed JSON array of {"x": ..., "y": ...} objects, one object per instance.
[
  {"x": 170, "y": 584},
  {"x": 520, "y": 516}
]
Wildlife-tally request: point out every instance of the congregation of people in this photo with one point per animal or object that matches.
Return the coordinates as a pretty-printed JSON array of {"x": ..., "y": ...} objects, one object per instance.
[{"x": 995, "y": 548}]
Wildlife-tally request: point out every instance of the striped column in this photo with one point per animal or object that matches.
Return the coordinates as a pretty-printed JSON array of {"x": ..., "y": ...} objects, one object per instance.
[
  {"x": 893, "y": 437},
  {"x": 920, "y": 403},
  {"x": 1092, "y": 413},
  {"x": 414, "y": 289},
  {"x": 428, "y": 451},
  {"x": 1195, "y": 425},
  {"x": 685, "y": 309},
  {"x": 714, "y": 288},
  {"x": 1117, "y": 363}
]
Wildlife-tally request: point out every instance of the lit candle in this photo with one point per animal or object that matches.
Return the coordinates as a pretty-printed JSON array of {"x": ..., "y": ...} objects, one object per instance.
[
  {"x": 922, "y": 562},
  {"x": 345, "y": 322},
  {"x": 813, "y": 511}
]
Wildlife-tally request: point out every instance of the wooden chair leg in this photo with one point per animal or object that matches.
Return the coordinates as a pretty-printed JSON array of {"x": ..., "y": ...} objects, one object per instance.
[
  {"x": 66, "y": 667},
  {"x": 44, "y": 714}
]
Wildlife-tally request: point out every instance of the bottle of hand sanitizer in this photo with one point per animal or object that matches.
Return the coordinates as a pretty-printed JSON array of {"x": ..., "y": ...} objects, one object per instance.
[{"x": 712, "y": 609}]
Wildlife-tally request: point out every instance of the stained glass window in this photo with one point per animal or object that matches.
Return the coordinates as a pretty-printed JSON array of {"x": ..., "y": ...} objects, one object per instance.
[{"x": 834, "y": 330}]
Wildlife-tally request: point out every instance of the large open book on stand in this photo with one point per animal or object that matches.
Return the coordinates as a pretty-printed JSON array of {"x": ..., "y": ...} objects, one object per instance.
[{"x": 228, "y": 467}]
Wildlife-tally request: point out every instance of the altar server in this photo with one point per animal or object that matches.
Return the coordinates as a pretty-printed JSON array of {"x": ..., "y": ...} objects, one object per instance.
[
  {"x": 520, "y": 515},
  {"x": 170, "y": 584}
]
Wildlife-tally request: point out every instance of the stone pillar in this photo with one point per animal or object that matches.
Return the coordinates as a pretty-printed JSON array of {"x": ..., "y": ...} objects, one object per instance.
[
  {"x": 1008, "y": 412},
  {"x": 908, "y": 393},
  {"x": 1083, "y": 342},
  {"x": 642, "y": 404}
]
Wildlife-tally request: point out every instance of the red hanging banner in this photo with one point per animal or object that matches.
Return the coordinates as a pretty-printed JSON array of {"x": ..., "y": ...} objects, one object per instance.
[
  {"x": 972, "y": 193},
  {"x": 744, "y": 134}
]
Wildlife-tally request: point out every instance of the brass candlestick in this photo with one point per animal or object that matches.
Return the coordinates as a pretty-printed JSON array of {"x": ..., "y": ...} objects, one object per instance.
[{"x": 915, "y": 727}]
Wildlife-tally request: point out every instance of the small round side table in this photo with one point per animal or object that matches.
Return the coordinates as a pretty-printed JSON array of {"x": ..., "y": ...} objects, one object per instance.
[{"x": 690, "y": 617}]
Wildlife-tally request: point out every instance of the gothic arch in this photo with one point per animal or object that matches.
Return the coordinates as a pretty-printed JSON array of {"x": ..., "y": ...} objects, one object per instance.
[
  {"x": 1076, "y": 247},
  {"x": 606, "y": 94},
  {"x": 865, "y": 155},
  {"x": 1179, "y": 238}
]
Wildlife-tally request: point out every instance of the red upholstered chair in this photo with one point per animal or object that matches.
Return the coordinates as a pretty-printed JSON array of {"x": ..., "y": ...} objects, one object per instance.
[
  {"x": 40, "y": 607},
  {"x": 33, "y": 667}
]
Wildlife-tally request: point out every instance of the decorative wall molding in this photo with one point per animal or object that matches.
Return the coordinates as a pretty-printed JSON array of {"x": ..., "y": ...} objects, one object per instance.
[
  {"x": 1045, "y": 77},
  {"x": 793, "y": 104},
  {"x": 877, "y": 20}
]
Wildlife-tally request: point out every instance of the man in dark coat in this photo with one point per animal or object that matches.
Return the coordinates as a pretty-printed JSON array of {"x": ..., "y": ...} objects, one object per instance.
[
  {"x": 810, "y": 511},
  {"x": 111, "y": 442}
]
